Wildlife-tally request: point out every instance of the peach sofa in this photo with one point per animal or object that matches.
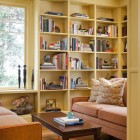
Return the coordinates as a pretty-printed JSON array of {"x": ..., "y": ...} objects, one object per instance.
[
  {"x": 13, "y": 127},
  {"x": 112, "y": 118}
]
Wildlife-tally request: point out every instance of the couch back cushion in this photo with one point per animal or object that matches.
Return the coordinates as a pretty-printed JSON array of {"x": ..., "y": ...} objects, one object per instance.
[{"x": 4, "y": 111}]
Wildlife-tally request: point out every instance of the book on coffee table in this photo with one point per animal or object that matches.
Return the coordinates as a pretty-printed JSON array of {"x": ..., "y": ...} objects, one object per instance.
[{"x": 65, "y": 121}]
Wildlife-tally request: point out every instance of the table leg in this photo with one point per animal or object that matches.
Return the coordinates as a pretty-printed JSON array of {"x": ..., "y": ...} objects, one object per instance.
[
  {"x": 32, "y": 119},
  {"x": 97, "y": 134},
  {"x": 65, "y": 138}
]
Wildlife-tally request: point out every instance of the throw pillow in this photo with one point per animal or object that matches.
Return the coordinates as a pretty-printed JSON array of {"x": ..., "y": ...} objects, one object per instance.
[
  {"x": 125, "y": 89},
  {"x": 111, "y": 92},
  {"x": 117, "y": 79},
  {"x": 94, "y": 90}
]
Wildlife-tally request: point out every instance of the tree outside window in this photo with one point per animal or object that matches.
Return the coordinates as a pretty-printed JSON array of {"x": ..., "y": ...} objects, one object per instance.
[{"x": 11, "y": 44}]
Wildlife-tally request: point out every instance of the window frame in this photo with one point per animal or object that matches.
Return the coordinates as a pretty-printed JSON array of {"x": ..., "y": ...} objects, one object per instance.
[{"x": 28, "y": 31}]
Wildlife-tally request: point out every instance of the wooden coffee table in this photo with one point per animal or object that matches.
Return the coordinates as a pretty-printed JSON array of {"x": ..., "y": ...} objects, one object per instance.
[{"x": 46, "y": 119}]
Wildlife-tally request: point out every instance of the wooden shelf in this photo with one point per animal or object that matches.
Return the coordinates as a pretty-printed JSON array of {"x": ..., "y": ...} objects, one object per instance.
[
  {"x": 108, "y": 22},
  {"x": 53, "y": 51},
  {"x": 124, "y": 37},
  {"x": 83, "y": 70},
  {"x": 54, "y": 16},
  {"x": 123, "y": 69},
  {"x": 89, "y": 88},
  {"x": 82, "y": 52},
  {"x": 54, "y": 33},
  {"x": 52, "y": 70},
  {"x": 17, "y": 91},
  {"x": 80, "y": 35},
  {"x": 102, "y": 70},
  {"x": 125, "y": 21},
  {"x": 106, "y": 52},
  {"x": 123, "y": 52},
  {"x": 106, "y": 37},
  {"x": 57, "y": 90},
  {"x": 81, "y": 19}
]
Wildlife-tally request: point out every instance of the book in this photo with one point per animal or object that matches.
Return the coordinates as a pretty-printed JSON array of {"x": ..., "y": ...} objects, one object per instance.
[
  {"x": 54, "y": 13},
  {"x": 68, "y": 122},
  {"x": 105, "y": 19},
  {"x": 107, "y": 67},
  {"x": 66, "y": 119}
]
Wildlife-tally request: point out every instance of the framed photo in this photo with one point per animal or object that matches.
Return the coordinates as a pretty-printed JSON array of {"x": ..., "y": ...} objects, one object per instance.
[{"x": 50, "y": 103}]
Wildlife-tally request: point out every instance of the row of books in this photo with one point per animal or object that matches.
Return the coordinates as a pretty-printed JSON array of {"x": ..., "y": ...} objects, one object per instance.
[
  {"x": 75, "y": 63},
  {"x": 74, "y": 85},
  {"x": 53, "y": 45},
  {"x": 46, "y": 24},
  {"x": 59, "y": 61},
  {"x": 77, "y": 45},
  {"x": 75, "y": 29},
  {"x": 65, "y": 121},
  {"x": 124, "y": 31},
  {"x": 103, "y": 46},
  {"x": 112, "y": 64},
  {"x": 108, "y": 31},
  {"x": 62, "y": 83}
]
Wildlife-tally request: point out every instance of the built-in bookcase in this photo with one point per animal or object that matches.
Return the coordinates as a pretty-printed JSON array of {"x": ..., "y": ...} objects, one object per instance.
[
  {"x": 92, "y": 43},
  {"x": 56, "y": 33}
]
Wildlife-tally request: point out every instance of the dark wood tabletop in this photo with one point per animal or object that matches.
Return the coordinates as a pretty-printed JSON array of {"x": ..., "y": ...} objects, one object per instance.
[{"x": 46, "y": 119}]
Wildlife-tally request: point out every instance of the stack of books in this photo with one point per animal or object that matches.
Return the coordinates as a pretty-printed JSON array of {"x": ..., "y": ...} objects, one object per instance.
[
  {"x": 47, "y": 65},
  {"x": 65, "y": 121},
  {"x": 81, "y": 86}
]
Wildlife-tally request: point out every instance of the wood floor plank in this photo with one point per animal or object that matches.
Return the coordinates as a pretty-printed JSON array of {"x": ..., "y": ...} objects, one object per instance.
[{"x": 49, "y": 135}]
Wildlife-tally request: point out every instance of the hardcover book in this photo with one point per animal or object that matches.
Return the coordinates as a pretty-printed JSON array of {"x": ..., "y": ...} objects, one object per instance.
[{"x": 68, "y": 122}]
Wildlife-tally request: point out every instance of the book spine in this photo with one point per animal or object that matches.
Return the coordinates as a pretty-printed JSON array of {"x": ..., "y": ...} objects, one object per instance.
[{"x": 97, "y": 61}]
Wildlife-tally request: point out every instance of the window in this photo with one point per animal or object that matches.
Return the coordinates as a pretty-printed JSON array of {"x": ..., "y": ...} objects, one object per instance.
[{"x": 11, "y": 44}]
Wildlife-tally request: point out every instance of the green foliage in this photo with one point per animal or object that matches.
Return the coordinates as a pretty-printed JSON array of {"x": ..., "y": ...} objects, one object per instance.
[{"x": 11, "y": 44}]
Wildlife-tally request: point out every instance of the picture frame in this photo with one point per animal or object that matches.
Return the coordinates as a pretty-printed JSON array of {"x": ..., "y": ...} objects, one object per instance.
[{"x": 50, "y": 103}]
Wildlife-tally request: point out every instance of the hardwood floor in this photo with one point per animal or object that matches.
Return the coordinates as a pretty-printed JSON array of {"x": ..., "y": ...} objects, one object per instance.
[{"x": 49, "y": 135}]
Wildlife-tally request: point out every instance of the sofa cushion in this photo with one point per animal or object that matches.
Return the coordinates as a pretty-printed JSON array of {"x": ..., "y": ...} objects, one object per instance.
[
  {"x": 111, "y": 92},
  {"x": 4, "y": 111},
  {"x": 7, "y": 120},
  {"x": 89, "y": 108},
  {"x": 117, "y": 115},
  {"x": 94, "y": 90}
]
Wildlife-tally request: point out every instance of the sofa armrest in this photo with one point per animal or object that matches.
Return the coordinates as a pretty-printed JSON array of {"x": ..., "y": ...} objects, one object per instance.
[
  {"x": 78, "y": 99},
  {"x": 27, "y": 131}
]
